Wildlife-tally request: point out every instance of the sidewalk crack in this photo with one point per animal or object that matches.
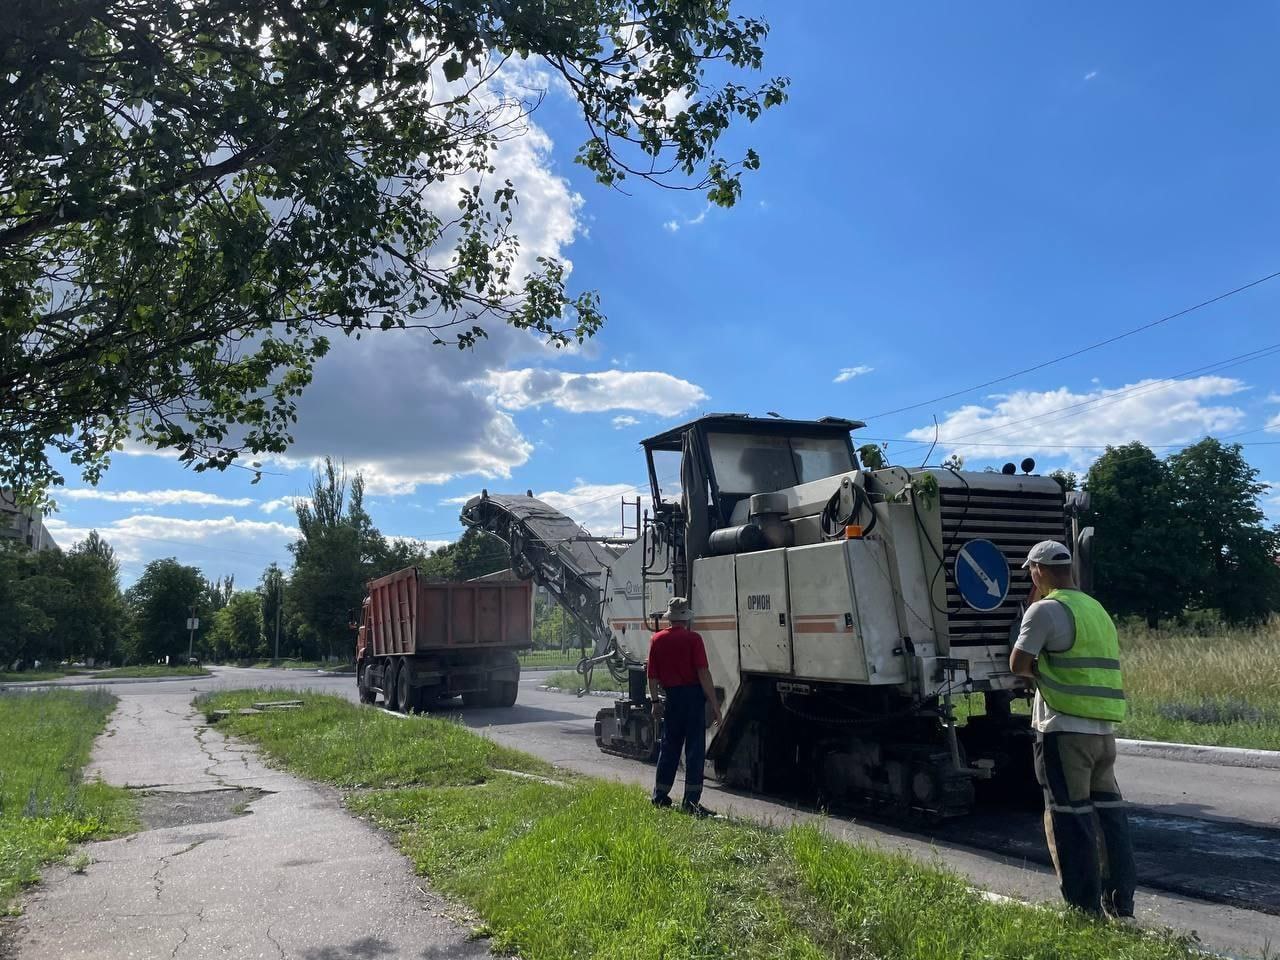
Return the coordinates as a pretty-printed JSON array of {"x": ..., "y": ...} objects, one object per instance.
[
  {"x": 164, "y": 865},
  {"x": 186, "y": 934},
  {"x": 276, "y": 942}
]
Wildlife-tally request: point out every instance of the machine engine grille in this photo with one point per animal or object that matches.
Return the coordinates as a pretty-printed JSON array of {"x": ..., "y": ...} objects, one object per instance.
[{"x": 1014, "y": 520}]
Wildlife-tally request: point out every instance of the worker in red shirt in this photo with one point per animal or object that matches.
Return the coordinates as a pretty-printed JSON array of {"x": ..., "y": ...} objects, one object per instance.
[{"x": 680, "y": 685}]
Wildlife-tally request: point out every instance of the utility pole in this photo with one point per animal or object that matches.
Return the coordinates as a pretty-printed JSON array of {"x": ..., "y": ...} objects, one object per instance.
[
  {"x": 279, "y": 604},
  {"x": 191, "y": 633}
]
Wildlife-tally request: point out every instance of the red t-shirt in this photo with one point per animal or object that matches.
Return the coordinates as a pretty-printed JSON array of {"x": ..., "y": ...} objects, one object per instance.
[{"x": 675, "y": 656}]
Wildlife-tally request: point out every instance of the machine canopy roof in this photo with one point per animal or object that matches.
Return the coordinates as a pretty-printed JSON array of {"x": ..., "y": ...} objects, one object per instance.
[{"x": 743, "y": 423}]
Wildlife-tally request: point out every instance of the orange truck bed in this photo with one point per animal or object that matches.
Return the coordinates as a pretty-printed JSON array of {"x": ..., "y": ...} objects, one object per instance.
[{"x": 407, "y": 615}]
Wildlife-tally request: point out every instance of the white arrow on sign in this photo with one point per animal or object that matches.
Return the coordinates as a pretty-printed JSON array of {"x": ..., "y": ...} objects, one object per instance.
[{"x": 993, "y": 588}]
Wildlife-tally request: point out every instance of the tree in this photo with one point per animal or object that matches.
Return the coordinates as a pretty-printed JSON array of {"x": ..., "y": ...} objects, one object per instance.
[
  {"x": 56, "y": 606},
  {"x": 161, "y": 602},
  {"x": 554, "y": 629},
  {"x": 474, "y": 554},
  {"x": 1216, "y": 491},
  {"x": 237, "y": 628},
  {"x": 193, "y": 196},
  {"x": 95, "y": 617},
  {"x": 29, "y": 598},
  {"x": 1067, "y": 479},
  {"x": 334, "y": 557},
  {"x": 1143, "y": 554},
  {"x": 218, "y": 593},
  {"x": 271, "y": 590}
]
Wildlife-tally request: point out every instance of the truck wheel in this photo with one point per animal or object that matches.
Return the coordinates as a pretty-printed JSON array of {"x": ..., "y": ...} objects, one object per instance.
[
  {"x": 406, "y": 695},
  {"x": 505, "y": 693},
  {"x": 367, "y": 693},
  {"x": 390, "y": 680}
]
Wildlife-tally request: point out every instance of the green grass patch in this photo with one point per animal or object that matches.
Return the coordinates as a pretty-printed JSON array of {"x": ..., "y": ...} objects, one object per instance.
[
  {"x": 592, "y": 870},
  {"x": 45, "y": 806},
  {"x": 580, "y": 868},
  {"x": 32, "y": 676},
  {"x": 547, "y": 659},
  {"x": 151, "y": 670},
  {"x": 571, "y": 681},
  {"x": 336, "y": 741},
  {"x": 887, "y": 905}
]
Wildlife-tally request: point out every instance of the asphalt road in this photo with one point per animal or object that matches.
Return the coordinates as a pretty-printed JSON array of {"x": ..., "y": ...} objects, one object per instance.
[{"x": 1207, "y": 836}]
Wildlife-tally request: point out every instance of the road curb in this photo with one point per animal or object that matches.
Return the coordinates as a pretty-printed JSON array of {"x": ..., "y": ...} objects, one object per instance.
[{"x": 1200, "y": 753}]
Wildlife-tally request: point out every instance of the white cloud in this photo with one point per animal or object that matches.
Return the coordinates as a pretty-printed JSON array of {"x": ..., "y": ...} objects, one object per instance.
[
  {"x": 848, "y": 373},
  {"x": 222, "y": 545},
  {"x": 650, "y": 391},
  {"x": 598, "y": 506},
  {"x": 1154, "y": 412},
  {"x": 283, "y": 503},
  {"x": 159, "y": 498},
  {"x": 1273, "y": 425},
  {"x": 624, "y": 421},
  {"x": 405, "y": 412},
  {"x": 1091, "y": 74},
  {"x": 1273, "y": 398},
  {"x": 674, "y": 225}
]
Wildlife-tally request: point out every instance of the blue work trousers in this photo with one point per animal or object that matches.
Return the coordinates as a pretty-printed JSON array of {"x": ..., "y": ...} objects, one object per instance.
[{"x": 684, "y": 728}]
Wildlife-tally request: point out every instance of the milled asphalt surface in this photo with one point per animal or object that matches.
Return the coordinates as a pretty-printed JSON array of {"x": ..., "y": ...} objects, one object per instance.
[
  {"x": 241, "y": 862},
  {"x": 350, "y": 895}
]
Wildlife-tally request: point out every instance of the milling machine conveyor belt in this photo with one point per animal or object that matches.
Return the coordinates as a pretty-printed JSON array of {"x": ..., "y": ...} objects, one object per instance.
[{"x": 552, "y": 549}]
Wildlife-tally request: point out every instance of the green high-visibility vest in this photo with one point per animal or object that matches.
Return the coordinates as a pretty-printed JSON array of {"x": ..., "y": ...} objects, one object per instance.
[{"x": 1084, "y": 681}]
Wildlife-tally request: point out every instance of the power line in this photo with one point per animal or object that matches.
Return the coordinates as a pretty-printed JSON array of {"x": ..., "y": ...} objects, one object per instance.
[
  {"x": 1111, "y": 398},
  {"x": 1075, "y": 353}
]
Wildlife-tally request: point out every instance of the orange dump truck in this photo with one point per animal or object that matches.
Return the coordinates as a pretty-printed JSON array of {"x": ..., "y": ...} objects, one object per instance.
[{"x": 421, "y": 642}]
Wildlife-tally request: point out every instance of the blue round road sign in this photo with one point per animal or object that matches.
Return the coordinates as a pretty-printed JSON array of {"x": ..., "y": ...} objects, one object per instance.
[{"x": 982, "y": 574}]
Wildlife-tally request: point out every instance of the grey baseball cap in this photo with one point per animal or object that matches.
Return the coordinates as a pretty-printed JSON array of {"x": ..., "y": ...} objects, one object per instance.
[{"x": 1048, "y": 553}]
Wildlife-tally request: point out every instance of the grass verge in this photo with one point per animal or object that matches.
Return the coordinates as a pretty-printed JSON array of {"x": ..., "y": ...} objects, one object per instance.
[
  {"x": 333, "y": 740},
  {"x": 580, "y": 868},
  {"x": 45, "y": 806},
  {"x": 151, "y": 670},
  {"x": 302, "y": 665},
  {"x": 571, "y": 681},
  {"x": 33, "y": 676}
]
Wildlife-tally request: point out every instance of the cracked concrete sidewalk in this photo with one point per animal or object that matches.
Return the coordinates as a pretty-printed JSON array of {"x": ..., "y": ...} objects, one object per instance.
[{"x": 293, "y": 877}]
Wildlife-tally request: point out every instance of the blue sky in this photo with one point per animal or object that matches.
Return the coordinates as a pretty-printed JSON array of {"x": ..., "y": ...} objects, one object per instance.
[{"x": 952, "y": 193}]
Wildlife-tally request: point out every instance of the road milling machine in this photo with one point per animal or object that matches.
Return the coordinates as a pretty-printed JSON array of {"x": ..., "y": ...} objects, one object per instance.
[{"x": 843, "y": 609}]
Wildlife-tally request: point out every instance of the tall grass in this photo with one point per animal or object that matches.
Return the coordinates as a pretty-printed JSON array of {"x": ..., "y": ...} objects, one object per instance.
[
  {"x": 1217, "y": 686},
  {"x": 1220, "y": 686},
  {"x": 45, "y": 806}
]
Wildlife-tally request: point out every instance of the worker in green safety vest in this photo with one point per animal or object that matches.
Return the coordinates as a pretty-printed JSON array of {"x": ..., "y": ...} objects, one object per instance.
[{"x": 1067, "y": 646}]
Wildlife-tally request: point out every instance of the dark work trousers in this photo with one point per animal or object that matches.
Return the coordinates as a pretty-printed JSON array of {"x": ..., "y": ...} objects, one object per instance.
[
  {"x": 684, "y": 727},
  {"x": 1082, "y": 805}
]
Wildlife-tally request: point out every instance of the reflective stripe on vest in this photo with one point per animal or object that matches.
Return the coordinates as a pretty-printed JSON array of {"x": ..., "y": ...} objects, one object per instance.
[{"x": 1084, "y": 681}]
